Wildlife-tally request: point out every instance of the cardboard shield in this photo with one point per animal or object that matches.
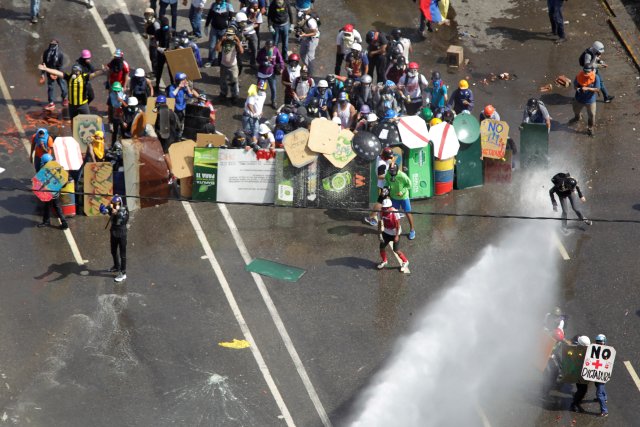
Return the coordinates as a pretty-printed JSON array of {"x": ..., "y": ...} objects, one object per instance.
[
  {"x": 67, "y": 152},
  {"x": 467, "y": 128},
  {"x": 145, "y": 172},
  {"x": 445, "y": 141},
  {"x": 98, "y": 186},
  {"x": 183, "y": 61},
  {"x": 344, "y": 152},
  {"x": 295, "y": 144},
  {"x": 323, "y": 136},
  {"x": 182, "y": 158},
  {"x": 84, "y": 126}
]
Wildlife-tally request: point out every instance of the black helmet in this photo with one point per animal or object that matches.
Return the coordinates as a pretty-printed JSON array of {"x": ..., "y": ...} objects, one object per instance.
[
  {"x": 331, "y": 78},
  {"x": 532, "y": 105},
  {"x": 396, "y": 33},
  {"x": 348, "y": 83},
  {"x": 401, "y": 61},
  {"x": 314, "y": 103},
  {"x": 370, "y": 35},
  {"x": 183, "y": 34},
  {"x": 435, "y": 75},
  {"x": 269, "y": 43}
]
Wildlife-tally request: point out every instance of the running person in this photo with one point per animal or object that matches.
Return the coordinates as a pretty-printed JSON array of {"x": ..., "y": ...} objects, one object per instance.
[
  {"x": 565, "y": 187},
  {"x": 389, "y": 231}
]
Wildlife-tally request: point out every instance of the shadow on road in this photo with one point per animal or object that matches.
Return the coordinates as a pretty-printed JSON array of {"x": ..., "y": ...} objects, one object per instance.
[
  {"x": 66, "y": 269},
  {"x": 352, "y": 262}
]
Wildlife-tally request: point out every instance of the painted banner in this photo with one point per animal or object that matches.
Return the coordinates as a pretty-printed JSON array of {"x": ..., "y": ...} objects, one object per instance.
[
  {"x": 493, "y": 138},
  {"x": 50, "y": 178},
  {"x": 598, "y": 363},
  {"x": 346, "y": 188},
  {"x": 67, "y": 152},
  {"x": 205, "y": 172},
  {"x": 98, "y": 187},
  {"x": 84, "y": 126},
  {"x": 245, "y": 177},
  {"x": 498, "y": 171}
]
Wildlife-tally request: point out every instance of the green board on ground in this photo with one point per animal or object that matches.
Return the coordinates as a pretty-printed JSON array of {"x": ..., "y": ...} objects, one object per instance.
[
  {"x": 275, "y": 270},
  {"x": 469, "y": 166},
  {"x": 534, "y": 145}
]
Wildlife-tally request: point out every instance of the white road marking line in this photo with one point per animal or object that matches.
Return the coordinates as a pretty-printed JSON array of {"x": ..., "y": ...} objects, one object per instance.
[
  {"x": 27, "y": 146},
  {"x": 217, "y": 269},
  {"x": 632, "y": 372},
  {"x": 563, "y": 252},
  {"x": 103, "y": 28},
  {"x": 275, "y": 316},
  {"x": 135, "y": 31}
]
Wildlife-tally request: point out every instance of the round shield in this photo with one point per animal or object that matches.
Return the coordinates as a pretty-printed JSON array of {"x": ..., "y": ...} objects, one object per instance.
[
  {"x": 387, "y": 133},
  {"x": 366, "y": 145},
  {"x": 467, "y": 128}
]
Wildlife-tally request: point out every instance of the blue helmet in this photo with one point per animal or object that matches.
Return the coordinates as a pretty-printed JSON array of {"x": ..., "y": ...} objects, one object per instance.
[
  {"x": 389, "y": 114},
  {"x": 116, "y": 199},
  {"x": 180, "y": 77},
  {"x": 161, "y": 99},
  {"x": 283, "y": 118},
  {"x": 46, "y": 158},
  {"x": 601, "y": 339},
  {"x": 389, "y": 83},
  {"x": 279, "y": 135}
]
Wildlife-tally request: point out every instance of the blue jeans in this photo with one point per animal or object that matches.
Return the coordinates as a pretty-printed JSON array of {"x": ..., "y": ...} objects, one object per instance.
[
  {"x": 195, "y": 17},
  {"x": 35, "y": 8},
  {"x": 271, "y": 80},
  {"x": 250, "y": 125},
  {"x": 282, "y": 33},
  {"x": 214, "y": 35},
  {"x": 50, "y": 87},
  {"x": 601, "y": 395},
  {"x": 555, "y": 17},
  {"x": 174, "y": 12}
]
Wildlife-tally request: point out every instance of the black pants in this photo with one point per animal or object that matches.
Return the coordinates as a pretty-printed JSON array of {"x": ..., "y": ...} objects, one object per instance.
[
  {"x": 378, "y": 64},
  {"x": 46, "y": 215},
  {"x": 563, "y": 205},
  {"x": 120, "y": 263},
  {"x": 339, "y": 59},
  {"x": 157, "y": 71},
  {"x": 74, "y": 110},
  {"x": 581, "y": 391}
]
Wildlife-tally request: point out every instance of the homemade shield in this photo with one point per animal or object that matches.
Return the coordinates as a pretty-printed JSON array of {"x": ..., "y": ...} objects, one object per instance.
[
  {"x": 295, "y": 144},
  {"x": 323, "y": 136},
  {"x": 67, "y": 152},
  {"x": 493, "y": 138},
  {"x": 183, "y": 61},
  {"x": 467, "y": 128},
  {"x": 50, "y": 178},
  {"x": 534, "y": 145},
  {"x": 468, "y": 171},
  {"x": 84, "y": 126},
  {"x": 387, "y": 133},
  {"x": 98, "y": 187},
  {"x": 366, "y": 145},
  {"x": 445, "y": 141},
  {"x": 344, "y": 152}
]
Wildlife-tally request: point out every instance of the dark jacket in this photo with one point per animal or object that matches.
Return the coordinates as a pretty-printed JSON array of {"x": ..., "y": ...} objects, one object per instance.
[
  {"x": 53, "y": 57},
  {"x": 119, "y": 222},
  {"x": 279, "y": 15}
]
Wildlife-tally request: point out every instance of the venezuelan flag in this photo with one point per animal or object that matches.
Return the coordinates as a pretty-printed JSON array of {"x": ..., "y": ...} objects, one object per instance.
[{"x": 431, "y": 11}]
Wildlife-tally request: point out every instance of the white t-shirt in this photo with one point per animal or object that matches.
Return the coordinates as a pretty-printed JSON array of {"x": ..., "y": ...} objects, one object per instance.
[
  {"x": 406, "y": 45},
  {"x": 312, "y": 24},
  {"x": 381, "y": 162},
  {"x": 257, "y": 101},
  {"x": 412, "y": 85},
  {"x": 303, "y": 86}
]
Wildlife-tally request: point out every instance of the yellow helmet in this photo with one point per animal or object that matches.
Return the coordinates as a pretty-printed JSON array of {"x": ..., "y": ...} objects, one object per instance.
[
  {"x": 435, "y": 121},
  {"x": 463, "y": 84}
]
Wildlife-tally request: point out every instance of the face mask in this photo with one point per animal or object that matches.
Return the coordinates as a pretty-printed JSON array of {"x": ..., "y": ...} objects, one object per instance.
[{"x": 413, "y": 73}]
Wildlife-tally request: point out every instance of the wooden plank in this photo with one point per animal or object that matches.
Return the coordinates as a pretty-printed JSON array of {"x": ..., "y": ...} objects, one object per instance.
[{"x": 183, "y": 61}]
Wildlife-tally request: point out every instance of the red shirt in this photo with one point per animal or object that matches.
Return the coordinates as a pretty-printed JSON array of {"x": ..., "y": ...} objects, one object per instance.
[{"x": 120, "y": 76}]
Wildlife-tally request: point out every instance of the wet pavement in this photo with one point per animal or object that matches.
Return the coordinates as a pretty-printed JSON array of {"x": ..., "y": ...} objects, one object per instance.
[{"x": 80, "y": 350}]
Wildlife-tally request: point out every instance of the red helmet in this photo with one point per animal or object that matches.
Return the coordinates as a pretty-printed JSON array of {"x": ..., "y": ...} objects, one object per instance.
[
  {"x": 387, "y": 153},
  {"x": 294, "y": 57},
  {"x": 413, "y": 66},
  {"x": 489, "y": 110},
  {"x": 558, "y": 334},
  {"x": 348, "y": 28}
]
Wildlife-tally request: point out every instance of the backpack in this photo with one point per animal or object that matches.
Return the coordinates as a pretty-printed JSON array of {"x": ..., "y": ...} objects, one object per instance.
[
  {"x": 583, "y": 58},
  {"x": 139, "y": 86},
  {"x": 314, "y": 15},
  {"x": 563, "y": 182},
  {"x": 163, "y": 123}
]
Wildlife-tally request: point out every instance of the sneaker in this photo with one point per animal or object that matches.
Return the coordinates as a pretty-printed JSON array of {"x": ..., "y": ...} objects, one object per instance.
[
  {"x": 412, "y": 234},
  {"x": 34, "y": 20},
  {"x": 608, "y": 99},
  {"x": 404, "y": 266},
  {"x": 207, "y": 65},
  {"x": 89, "y": 4},
  {"x": 43, "y": 224},
  {"x": 576, "y": 408},
  {"x": 64, "y": 225},
  {"x": 113, "y": 269},
  {"x": 604, "y": 414},
  {"x": 588, "y": 221},
  {"x": 65, "y": 102},
  {"x": 590, "y": 132},
  {"x": 382, "y": 265},
  {"x": 120, "y": 277},
  {"x": 50, "y": 106},
  {"x": 371, "y": 221}
]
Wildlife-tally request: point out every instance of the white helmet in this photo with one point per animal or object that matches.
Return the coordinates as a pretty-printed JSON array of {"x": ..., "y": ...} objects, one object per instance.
[
  {"x": 323, "y": 83},
  {"x": 132, "y": 101},
  {"x": 241, "y": 17},
  {"x": 356, "y": 46},
  {"x": 139, "y": 72},
  {"x": 584, "y": 340},
  {"x": 598, "y": 47},
  {"x": 336, "y": 120},
  {"x": 371, "y": 117},
  {"x": 386, "y": 203},
  {"x": 263, "y": 129}
]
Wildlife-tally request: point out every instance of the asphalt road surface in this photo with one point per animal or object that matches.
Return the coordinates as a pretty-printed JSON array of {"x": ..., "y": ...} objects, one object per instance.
[{"x": 77, "y": 349}]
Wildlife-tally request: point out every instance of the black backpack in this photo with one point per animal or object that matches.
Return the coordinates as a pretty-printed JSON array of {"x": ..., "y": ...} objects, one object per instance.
[{"x": 314, "y": 15}]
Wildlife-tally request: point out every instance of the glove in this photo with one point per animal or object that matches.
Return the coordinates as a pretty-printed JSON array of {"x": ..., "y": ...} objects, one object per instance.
[
  {"x": 380, "y": 237},
  {"x": 555, "y": 208},
  {"x": 103, "y": 209},
  {"x": 271, "y": 29}
]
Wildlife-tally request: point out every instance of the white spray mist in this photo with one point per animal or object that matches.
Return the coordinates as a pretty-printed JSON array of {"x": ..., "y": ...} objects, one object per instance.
[{"x": 475, "y": 345}]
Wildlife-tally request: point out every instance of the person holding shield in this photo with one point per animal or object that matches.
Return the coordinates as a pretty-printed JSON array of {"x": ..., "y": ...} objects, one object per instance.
[{"x": 53, "y": 203}]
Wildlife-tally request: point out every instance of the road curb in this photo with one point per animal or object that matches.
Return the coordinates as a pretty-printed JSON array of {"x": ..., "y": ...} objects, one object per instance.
[{"x": 624, "y": 27}]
